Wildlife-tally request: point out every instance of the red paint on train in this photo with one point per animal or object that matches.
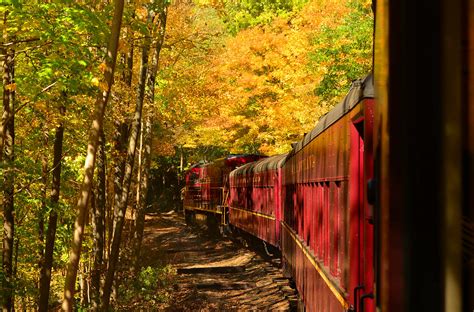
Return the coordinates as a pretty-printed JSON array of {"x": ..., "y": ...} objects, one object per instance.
[
  {"x": 207, "y": 194},
  {"x": 254, "y": 202},
  {"x": 312, "y": 204},
  {"x": 327, "y": 238}
]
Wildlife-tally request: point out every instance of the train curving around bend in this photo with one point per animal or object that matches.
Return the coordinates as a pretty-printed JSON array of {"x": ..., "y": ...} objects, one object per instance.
[
  {"x": 311, "y": 204},
  {"x": 374, "y": 209}
]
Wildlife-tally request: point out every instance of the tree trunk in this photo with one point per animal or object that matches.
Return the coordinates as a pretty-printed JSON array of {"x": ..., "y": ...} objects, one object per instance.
[
  {"x": 7, "y": 186},
  {"x": 150, "y": 97},
  {"x": 122, "y": 203},
  {"x": 120, "y": 143},
  {"x": 101, "y": 103},
  {"x": 99, "y": 224},
  {"x": 45, "y": 276},
  {"x": 41, "y": 213},
  {"x": 143, "y": 188}
]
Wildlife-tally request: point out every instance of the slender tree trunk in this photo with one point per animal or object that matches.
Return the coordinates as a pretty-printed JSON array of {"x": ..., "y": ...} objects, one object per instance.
[
  {"x": 162, "y": 17},
  {"x": 150, "y": 97},
  {"x": 141, "y": 204},
  {"x": 99, "y": 224},
  {"x": 139, "y": 171},
  {"x": 120, "y": 152},
  {"x": 41, "y": 213},
  {"x": 7, "y": 186},
  {"x": 45, "y": 276},
  {"x": 127, "y": 60},
  {"x": 102, "y": 99},
  {"x": 122, "y": 203},
  {"x": 120, "y": 145}
]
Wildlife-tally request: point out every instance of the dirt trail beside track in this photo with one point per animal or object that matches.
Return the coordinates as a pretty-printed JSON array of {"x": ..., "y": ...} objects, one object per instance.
[{"x": 213, "y": 274}]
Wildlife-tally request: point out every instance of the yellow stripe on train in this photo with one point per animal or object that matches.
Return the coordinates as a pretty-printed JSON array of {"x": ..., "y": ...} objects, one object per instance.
[{"x": 316, "y": 265}]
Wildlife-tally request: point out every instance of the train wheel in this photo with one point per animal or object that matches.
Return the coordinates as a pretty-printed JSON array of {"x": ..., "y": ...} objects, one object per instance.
[
  {"x": 285, "y": 268},
  {"x": 212, "y": 224},
  {"x": 300, "y": 307},
  {"x": 189, "y": 217}
]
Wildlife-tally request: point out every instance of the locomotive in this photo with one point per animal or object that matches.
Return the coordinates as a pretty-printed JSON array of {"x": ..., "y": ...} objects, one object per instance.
[
  {"x": 309, "y": 203},
  {"x": 204, "y": 192}
]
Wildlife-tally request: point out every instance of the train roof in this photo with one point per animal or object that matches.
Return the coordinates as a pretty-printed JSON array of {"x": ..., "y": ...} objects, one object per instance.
[
  {"x": 199, "y": 164},
  {"x": 360, "y": 89},
  {"x": 233, "y": 160},
  {"x": 269, "y": 163}
]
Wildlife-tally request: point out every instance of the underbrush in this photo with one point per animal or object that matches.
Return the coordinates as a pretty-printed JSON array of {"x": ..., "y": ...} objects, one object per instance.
[{"x": 151, "y": 289}]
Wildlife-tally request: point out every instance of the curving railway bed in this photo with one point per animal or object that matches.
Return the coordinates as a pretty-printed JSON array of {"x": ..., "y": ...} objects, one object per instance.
[{"x": 213, "y": 273}]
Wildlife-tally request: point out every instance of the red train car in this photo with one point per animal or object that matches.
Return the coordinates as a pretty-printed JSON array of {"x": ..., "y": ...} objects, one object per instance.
[
  {"x": 191, "y": 193},
  {"x": 327, "y": 228},
  {"x": 255, "y": 198},
  {"x": 206, "y": 195}
]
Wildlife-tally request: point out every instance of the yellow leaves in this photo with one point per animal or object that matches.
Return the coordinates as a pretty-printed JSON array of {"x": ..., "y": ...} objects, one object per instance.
[
  {"x": 98, "y": 83},
  {"x": 11, "y": 87},
  {"x": 163, "y": 148},
  {"x": 102, "y": 67},
  {"x": 254, "y": 89},
  {"x": 95, "y": 81},
  {"x": 141, "y": 13},
  {"x": 123, "y": 46},
  {"x": 41, "y": 106},
  {"x": 102, "y": 85}
]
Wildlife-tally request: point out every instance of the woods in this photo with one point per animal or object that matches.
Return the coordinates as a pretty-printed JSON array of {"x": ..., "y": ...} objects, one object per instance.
[{"x": 105, "y": 103}]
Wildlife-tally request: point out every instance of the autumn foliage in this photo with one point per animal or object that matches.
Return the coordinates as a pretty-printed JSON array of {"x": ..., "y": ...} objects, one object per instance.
[
  {"x": 232, "y": 77},
  {"x": 260, "y": 89}
]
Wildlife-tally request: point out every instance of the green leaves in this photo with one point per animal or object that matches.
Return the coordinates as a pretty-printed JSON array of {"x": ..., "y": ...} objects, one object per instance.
[
  {"x": 14, "y": 3},
  {"x": 243, "y": 14},
  {"x": 343, "y": 53}
]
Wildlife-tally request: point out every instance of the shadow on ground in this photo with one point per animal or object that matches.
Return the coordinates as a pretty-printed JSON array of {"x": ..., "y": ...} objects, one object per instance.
[{"x": 214, "y": 274}]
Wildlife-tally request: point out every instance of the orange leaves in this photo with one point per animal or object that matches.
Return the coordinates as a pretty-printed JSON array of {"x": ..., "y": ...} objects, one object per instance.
[
  {"x": 102, "y": 67},
  {"x": 264, "y": 83},
  {"x": 141, "y": 13},
  {"x": 11, "y": 87},
  {"x": 252, "y": 90}
]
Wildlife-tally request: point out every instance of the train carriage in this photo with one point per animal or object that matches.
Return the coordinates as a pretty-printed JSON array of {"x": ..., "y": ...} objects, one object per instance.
[
  {"x": 191, "y": 193},
  {"x": 255, "y": 201},
  {"x": 327, "y": 231},
  {"x": 423, "y": 180},
  {"x": 206, "y": 195}
]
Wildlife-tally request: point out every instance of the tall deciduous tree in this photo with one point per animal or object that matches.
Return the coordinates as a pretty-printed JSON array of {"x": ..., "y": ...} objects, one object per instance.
[
  {"x": 98, "y": 215},
  {"x": 45, "y": 276},
  {"x": 8, "y": 186},
  {"x": 121, "y": 206},
  {"x": 101, "y": 103},
  {"x": 147, "y": 136}
]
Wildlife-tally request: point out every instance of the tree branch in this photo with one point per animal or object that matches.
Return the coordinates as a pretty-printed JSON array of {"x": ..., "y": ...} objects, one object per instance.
[{"x": 20, "y": 41}]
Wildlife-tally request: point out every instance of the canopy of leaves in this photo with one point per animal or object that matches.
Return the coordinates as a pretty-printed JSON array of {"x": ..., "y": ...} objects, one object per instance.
[
  {"x": 343, "y": 53},
  {"x": 259, "y": 86},
  {"x": 239, "y": 15},
  {"x": 59, "y": 47},
  {"x": 235, "y": 76}
]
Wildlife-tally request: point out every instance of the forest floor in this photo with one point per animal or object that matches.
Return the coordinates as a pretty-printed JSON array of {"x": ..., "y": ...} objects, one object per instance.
[{"x": 208, "y": 273}]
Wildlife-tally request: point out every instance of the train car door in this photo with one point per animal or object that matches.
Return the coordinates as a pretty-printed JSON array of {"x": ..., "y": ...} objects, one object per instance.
[
  {"x": 361, "y": 224},
  {"x": 367, "y": 299}
]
